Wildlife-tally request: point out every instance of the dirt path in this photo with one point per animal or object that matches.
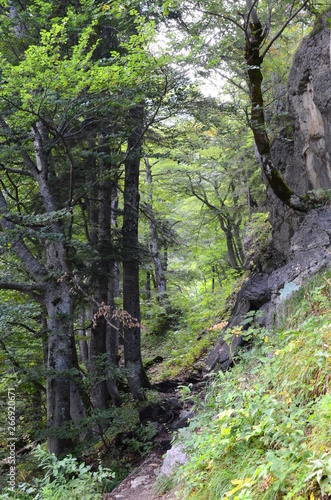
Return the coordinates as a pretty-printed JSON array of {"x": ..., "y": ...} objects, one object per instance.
[
  {"x": 168, "y": 413},
  {"x": 140, "y": 484}
]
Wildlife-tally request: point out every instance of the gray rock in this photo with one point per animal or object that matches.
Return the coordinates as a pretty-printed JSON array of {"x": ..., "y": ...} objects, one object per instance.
[
  {"x": 139, "y": 481},
  {"x": 310, "y": 252},
  {"x": 288, "y": 289},
  {"x": 183, "y": 420},
  {"x": 304, "y": 157},
  {"x": 175, "y": 456}
]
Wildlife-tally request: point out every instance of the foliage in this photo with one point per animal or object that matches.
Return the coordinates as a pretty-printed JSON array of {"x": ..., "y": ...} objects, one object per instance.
[
  {"x": 257, "y": 238},
  {"x": 263, "y": 431},
  {"x": 64, "y": 478},
  {"x": 69, "y": 78},
  {"x": 195, "y": 333}
]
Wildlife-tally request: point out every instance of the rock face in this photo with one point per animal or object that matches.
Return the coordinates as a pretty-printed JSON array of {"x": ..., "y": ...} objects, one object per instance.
[
  {"x": 309, "y": 95},
  {"x": 309, "y": 252},
  {"x": 304, "y": 160},
  {"x": 175, "y": 456},
  {"x": 301, "y": 243}
]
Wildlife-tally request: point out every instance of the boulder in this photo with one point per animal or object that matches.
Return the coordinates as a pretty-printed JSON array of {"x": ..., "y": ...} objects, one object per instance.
[
  {"x": 175, "y": 457},
  {"x": 309, "y": 252}
]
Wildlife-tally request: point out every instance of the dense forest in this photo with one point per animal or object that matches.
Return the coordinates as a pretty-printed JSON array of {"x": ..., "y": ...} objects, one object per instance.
[{"x": 165, "y": 179}]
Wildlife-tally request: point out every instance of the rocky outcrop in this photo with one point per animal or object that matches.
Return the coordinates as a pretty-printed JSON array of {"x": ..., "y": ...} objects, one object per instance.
[
  {"x": 309, "y": 252},
  {"x": 309, "y": 96},
  {"x": 304, "y": 157},
  {"x": 175, "y": 456}
]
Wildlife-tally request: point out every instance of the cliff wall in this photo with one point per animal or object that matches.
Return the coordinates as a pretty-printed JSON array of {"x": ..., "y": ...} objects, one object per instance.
[
  {"x": 301, "y": 244},
  {"x": 304, "y": 159}
]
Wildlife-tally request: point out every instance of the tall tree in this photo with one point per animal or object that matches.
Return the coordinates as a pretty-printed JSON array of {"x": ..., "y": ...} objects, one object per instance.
[
  {"x": 132, "y": 353},
  {"x": 158, "y": 268},
  {"x": 63, "y": 125}
]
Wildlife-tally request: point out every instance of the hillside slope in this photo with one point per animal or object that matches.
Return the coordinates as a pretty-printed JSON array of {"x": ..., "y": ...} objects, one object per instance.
[{"x": 263, "y": 431}]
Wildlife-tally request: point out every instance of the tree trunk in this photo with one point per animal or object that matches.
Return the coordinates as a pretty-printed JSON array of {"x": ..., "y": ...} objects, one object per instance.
[
  {"x": 83, "y": 340},
  {"x": 238, "y": 243},
  {"x": 104, "y": 338},
  {"x": 97, "y": 363},
  {"x": 113, "y": 292},
  {"x": 77, "y": 408},
  {"x": 59, "y": 302},
  {"x": 159, "y": 275},
  {"x": 231, "y": 250},
  {"x": 148, "y": 285},
  {"x": 132, "y": 350},
  {"x": 254, "y": 41},
  {"x": 113, "y": 334},
  {"x": 61, "y": 346},
  {"x": 226, "y": 228}
]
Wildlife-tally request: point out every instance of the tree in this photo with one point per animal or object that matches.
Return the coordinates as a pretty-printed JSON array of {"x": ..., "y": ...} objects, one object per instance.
[
  {"x": 215, "y": 163},
  {"x": 64, "y": 122},
  {"x": 250, "y": 28},
  {"x": 154, "y": 246}
]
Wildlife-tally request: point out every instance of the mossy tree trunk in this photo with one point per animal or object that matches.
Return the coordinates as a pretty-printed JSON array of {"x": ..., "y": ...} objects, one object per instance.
[{"x": 255, "y": 37}]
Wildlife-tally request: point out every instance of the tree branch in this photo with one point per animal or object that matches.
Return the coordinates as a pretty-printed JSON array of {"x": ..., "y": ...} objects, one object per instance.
[
  {"x": 222, "y": 16},
  {"x": 277, "y": 35},
  {"x": 15, "y": 170},
  {"x": 25, "y": 288},
  {"x": 252, "y": 10},
  {"x": 31, "y": 264}
]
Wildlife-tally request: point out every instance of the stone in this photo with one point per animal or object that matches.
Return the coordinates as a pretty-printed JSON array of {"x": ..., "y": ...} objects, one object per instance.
[
  {"x": 139, "y": 481},
  {"x": 287, "y": 290},
  {"x": 310, "y": 251},
  {"x": 162, "y": 412},
  {"x": 175, "y": 457},
  {"x": 183, "y": 420},
  {"x": 303, "y": 157}
]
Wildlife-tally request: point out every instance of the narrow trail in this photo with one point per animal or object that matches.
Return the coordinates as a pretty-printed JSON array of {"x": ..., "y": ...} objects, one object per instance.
[
  {"x": 169, "y": 415},
  {"x": 140, "y": 484}
]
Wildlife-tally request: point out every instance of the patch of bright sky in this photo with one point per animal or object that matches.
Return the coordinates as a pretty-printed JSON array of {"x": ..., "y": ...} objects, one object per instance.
[{"x": 210, "y": 86}]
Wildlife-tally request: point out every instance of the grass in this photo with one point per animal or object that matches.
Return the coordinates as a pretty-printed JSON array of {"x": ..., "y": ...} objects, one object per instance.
[
  {"x": 181, "y": 331},
  {"x": 264, "y": 429}
]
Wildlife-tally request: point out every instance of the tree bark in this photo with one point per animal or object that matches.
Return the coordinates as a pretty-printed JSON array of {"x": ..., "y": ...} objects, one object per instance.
[
  {"x": 97, "y": 363},
  {"x": 61, "y": 346},
  {"x": 108, "y": 283},
  {"x": 112, "y": 335},
  {"x": 132, "y": 349},
  {"x": 159, "y": 275},
  {"x": 83, "y": 340},
  {"x": 62, "y": 356}
]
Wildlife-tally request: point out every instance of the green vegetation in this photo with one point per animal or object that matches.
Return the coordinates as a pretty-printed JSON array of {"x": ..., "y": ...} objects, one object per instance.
[
  {"x": 132, "y": 209},
  {"x": 64, "y": 478},
  {"x": 190, "y": 324},
  {"x": 263, "y": 429}
]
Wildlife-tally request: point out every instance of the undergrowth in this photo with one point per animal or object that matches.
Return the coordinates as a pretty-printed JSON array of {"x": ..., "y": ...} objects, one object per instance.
[
  {"x": 64, "y": 478},
  {"x": 264, "y": 429},
  {"x": 187, "y": 335}
]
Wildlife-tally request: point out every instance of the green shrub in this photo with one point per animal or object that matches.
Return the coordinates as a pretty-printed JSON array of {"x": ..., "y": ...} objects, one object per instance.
[{"x": 64, "y": 478}]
